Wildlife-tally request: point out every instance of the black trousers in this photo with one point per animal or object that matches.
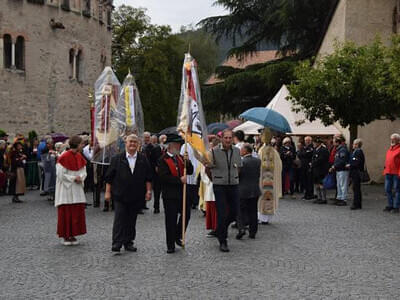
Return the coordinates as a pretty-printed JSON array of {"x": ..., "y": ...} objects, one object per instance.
[
  {"x": 193, "y": 194},
  {"x": 309, "y": 184},
  {"x": 356, "y": 181},
  {"x": 248, "y": 214},
  {"x": 124, "y": 227},
  {"x": 157, "y": 191},
  {"x": 173, "y": 224},
  {"x": 227, "y": 203}
]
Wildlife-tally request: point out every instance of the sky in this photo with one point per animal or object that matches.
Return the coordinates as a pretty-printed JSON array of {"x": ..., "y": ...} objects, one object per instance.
[{"x": 175, "y": 12}]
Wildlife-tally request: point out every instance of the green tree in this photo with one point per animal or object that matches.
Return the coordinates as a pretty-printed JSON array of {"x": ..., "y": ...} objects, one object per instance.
[
  {"x": 202, "y": 47},
  {"x": 155, "y": 57},
  {"x": 243, "y": 89},
  {"x": 350, "y": 86},
  {"x": 295, "y": 26}
]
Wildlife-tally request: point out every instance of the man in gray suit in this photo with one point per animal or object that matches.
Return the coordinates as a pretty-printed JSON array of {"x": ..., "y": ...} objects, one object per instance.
[{"x": 249, "y": 191}]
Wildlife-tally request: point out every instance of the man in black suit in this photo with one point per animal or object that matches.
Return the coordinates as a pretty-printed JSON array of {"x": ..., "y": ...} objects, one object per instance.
[
  {"x": 171, "y": 173},
  {"x": 128, "y": 178},
  {"x": 249, "y": 190}
]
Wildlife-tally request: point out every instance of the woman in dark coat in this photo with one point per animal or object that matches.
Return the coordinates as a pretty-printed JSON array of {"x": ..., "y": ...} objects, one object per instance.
[
  {"x": 17, "y": 180},
  {"x": 320, "y": 168}
]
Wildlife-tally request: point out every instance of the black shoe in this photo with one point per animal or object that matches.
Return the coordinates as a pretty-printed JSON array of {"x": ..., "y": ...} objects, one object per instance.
[
  {"x": 116, "y": 248},
  {"x": 223, "y": 247},
  {"x": 240, "y": 234},
  {"x": 130, "y": 248},
  {"x": 179, "y": 243},
  {"x": 170, "y": 250},
  {"x": 106, "y": 206},
  {"x": 145, "y": 207},
  {"x": 140, "y": 212},
  {"x": 264, "y": 223},
  {"x": 388, "y": 208},
  {"x": 156, "y": 210},
  {"x": 252, "y": 235},
  {"x": 16, "y": 200},
  {"x": 341, "y": 203},
  {"x": 322, "y": 202},
  {"x": 354, "y": 207},
  {"x": 212, "y": 233},
  {"x": 395, "y": 211},
  {"x": 316, "y": 201},
  {"x": 44, "y": 193}
]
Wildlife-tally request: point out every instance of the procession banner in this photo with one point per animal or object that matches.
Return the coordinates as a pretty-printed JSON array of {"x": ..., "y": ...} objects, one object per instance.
[
  {"x": 130, "y": 109},
  {"x": 108, "y": 123},
  {"x": 191, "y": 120}
]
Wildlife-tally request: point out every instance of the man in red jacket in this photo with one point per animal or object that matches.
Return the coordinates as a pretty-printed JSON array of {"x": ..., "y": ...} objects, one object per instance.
[{"x": 391, "y": 173}]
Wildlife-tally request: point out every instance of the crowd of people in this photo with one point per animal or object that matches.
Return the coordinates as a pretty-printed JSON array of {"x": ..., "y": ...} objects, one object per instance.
[{"x": 241, "y": 173}]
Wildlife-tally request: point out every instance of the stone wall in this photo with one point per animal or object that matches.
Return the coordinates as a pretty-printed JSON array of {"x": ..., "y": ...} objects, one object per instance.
[
  {"x": 45, "y": 97},
  {"x": 362, "y": 21}
]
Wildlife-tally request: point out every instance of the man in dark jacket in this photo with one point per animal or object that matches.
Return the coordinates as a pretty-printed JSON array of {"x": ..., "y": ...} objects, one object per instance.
[
  {"x": 320, "y": 168},
  {"x": 171, "y": 173},
  {"x": 128, "y": 178},
  {"x": 342, "y": 159},
  {"x": 305, "y": 155},
  {"x": 357, "y": 162},
  {"x": 249, "y": 191}
]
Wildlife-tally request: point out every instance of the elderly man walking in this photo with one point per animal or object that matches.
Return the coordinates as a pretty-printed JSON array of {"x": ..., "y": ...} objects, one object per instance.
[
  {"x": 225, "y": 164},
  {"x": 391, "y": 173},
  {"x": 128, "y": 178}
]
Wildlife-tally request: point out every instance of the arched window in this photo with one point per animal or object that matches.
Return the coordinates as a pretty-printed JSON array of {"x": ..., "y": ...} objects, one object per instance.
[
  {"x": 71, "y": 63},
  {"x": 20, "y": 53},
  {"x": 7, "y": 54},
  {"x": 78, "y": 66}
]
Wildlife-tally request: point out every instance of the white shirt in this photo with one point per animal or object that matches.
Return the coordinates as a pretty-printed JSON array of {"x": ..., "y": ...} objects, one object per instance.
[
  {"x": 131, "y": 160},
  {"x": 88, "y": 152},
  {"x": 191, "y": 179}
]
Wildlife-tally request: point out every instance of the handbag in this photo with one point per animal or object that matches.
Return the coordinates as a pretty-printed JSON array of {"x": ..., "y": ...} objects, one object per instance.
[
  {"x": 365, "y": 176},
  {"x": 329, "y": 182}
]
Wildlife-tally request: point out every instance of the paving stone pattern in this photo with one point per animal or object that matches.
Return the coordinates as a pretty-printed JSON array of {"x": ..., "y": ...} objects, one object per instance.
[{"x": 308, "y": 252}]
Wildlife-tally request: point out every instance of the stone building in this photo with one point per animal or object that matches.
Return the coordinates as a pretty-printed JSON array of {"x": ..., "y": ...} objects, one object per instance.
[
  {"x": 361, "y": 21},
  {"x": 51, "y": 52}
]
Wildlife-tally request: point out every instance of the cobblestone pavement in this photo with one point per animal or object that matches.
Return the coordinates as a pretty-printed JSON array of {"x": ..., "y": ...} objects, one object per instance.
[{"x": 308, "y": 252}]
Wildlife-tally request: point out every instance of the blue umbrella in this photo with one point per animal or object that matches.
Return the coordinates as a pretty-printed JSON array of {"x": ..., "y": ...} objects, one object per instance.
[
  {"x": 214, "y": 128},
  {"x": 267, "y": 118}
]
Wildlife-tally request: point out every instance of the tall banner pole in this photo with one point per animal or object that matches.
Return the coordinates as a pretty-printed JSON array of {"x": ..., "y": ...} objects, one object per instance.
[{"x": 185, "y": 169}]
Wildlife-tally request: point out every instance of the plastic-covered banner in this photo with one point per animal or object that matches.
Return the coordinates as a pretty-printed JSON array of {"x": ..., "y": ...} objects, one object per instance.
[
  {"x": 130, "y": 107},
  {"x": 109, "y": 124},
  {"x": 191, "y": 119}
]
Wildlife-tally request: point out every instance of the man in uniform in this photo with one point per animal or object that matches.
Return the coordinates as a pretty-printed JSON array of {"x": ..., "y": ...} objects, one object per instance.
[{"x": 172, "y": 178}]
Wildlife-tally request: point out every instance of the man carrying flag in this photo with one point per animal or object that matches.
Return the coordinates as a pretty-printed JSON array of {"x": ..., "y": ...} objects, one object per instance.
[{"x": 191, "y": 121}]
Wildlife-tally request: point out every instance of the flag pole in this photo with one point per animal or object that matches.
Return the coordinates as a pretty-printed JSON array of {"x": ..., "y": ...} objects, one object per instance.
[{"x": 185, "y": 169}]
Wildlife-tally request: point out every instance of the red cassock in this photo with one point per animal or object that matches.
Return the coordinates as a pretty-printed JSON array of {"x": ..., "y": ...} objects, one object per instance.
[{"x": 71, "y": 217}]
